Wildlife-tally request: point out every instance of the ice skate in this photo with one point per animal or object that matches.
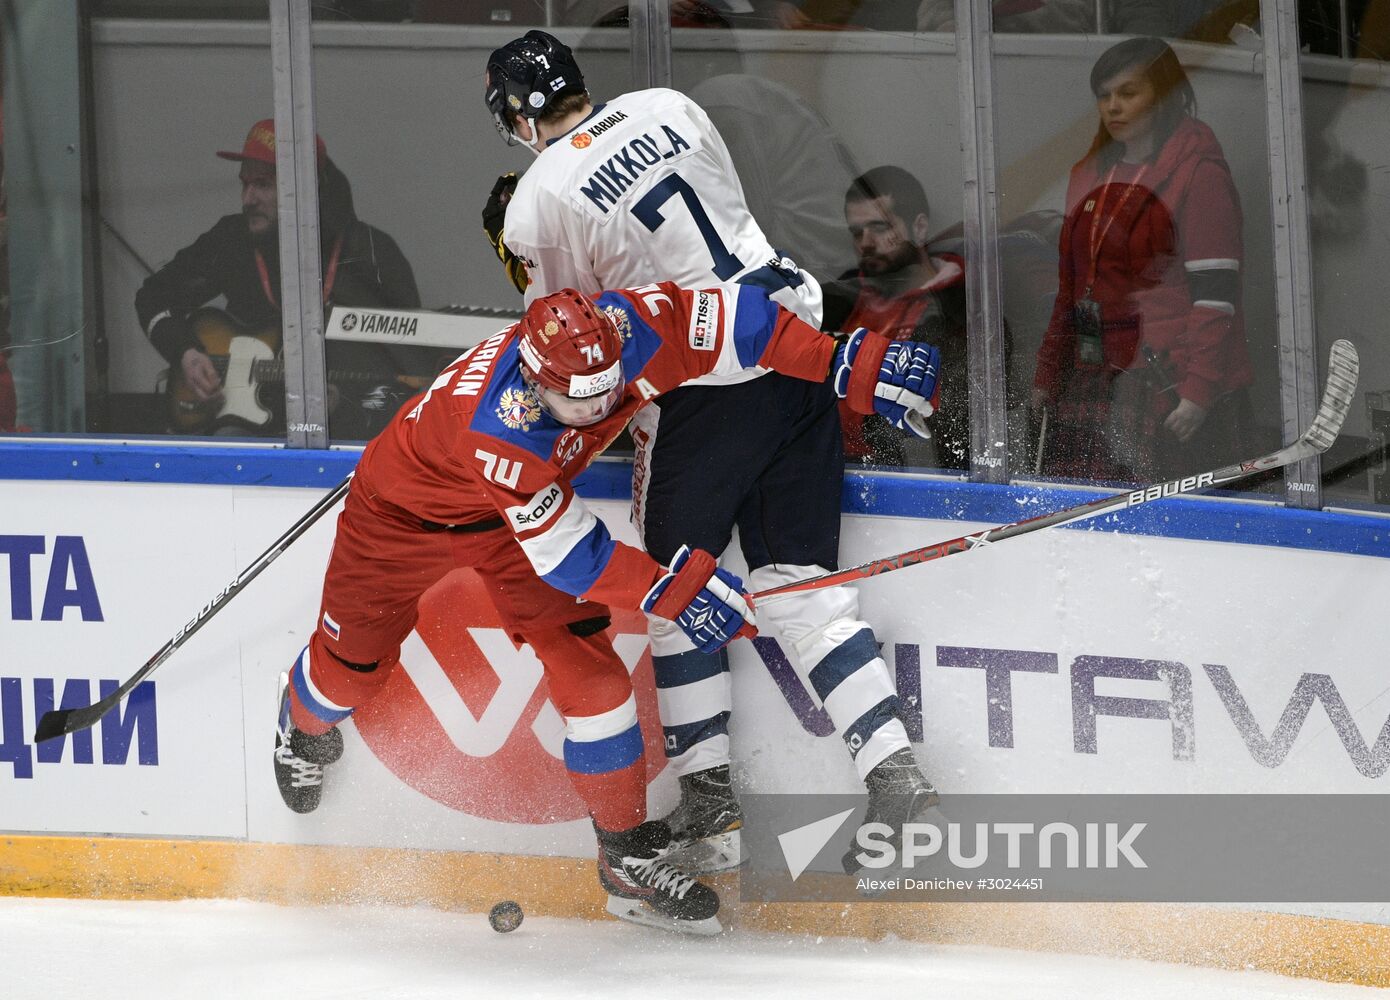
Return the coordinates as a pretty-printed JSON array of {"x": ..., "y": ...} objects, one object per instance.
[
  {"x": 301, "y": 758},
  {"x": 898, "y": 793},
  {"x": 706, "y": 828},
  {"x": 645, "y": 888}
]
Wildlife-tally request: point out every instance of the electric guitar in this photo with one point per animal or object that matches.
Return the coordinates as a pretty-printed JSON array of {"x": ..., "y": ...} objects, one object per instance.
[{"x": 253, "y": 377}]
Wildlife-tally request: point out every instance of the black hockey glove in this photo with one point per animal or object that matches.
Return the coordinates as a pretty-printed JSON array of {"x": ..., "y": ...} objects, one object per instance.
[
  {"x": 495, "y": 211},
  {"x": 494, "y": 222}
]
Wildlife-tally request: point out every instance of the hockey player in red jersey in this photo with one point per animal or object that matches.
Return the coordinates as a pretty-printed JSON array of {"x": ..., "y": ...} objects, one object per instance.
[{"x": 476, "y": 473}]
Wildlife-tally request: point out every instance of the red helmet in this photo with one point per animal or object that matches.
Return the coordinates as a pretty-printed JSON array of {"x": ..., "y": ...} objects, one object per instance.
[{"x": 570, "y": 346}]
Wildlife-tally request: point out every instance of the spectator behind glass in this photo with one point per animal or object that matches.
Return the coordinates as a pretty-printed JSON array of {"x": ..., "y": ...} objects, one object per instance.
[
  {"x": 905, "y": 293},
  {"x": 1035, "y": 16},
  {"x": 1144, "y": 364},
  {"x": 239, "y": 258}
]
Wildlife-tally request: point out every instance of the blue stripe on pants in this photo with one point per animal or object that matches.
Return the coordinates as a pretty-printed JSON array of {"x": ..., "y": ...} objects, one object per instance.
[
  {"x": 306, "y": 698},
  {"x": 843, "y": 660},
  {"x": 871, "y": 722},
  {"x": 679, "y": 739},
  {"x": 613, "y": 753},
  {"x": 688, "y": 667}
]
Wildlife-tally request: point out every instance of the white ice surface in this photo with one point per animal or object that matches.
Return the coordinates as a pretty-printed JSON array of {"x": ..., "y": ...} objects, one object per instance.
[{"x": 210, "y": 950}]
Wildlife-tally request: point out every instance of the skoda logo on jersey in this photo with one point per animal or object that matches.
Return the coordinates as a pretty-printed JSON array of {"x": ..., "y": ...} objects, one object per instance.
[
  {"x": 466, "y": 720},
  {"x": 349, "y": 322},
  {"x": 518, "y": 409},
  {"x": 536, "y": 511}
]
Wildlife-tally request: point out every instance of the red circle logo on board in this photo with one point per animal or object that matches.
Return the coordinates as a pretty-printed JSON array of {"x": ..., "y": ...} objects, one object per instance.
[{"x": 466, "y": 718}]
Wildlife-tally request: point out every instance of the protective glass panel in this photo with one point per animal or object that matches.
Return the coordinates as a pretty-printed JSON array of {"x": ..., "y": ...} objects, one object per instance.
[
  {"x": 1346, "y": 107},
  {"x": 413, "y": 155},
  {"x": 842, "y": 123},
  {"x": 44, "y": 266},
  {"x": 1136, "y": 249},
  {"x": 184, "y": 222}
]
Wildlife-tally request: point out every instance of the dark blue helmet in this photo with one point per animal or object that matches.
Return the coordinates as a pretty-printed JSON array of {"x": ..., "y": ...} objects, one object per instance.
[{"x": 526, "y": 76}]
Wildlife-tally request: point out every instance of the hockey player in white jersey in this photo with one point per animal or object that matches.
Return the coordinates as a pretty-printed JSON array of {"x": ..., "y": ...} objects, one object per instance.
[{"x": 642, "y": 189}]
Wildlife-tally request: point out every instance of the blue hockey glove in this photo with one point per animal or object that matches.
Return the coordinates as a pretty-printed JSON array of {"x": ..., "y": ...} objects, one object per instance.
[
  {"x": 894, "y": 378},
  {"x": 708, "y": 603}
]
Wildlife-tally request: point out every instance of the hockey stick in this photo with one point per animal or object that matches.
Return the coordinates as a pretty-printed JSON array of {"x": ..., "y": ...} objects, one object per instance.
[
  {"x": 1336, "y": 401},
  {"x": 60, "y": 722}
]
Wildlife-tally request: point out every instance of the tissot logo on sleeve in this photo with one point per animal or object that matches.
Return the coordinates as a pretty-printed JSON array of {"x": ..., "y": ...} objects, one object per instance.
[{"x": 704, "y": 321}]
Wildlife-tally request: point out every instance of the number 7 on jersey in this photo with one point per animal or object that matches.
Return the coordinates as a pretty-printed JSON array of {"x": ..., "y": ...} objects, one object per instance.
[{"x": 648, "y": 212}]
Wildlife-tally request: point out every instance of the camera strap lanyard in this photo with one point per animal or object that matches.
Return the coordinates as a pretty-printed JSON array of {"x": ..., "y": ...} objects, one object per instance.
[
  {"x": 329, "y": 276},
  {"x": 1098, "y": 233}
]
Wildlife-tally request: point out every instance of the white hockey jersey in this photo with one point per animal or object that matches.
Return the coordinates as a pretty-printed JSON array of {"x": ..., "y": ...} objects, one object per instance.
[{"x": 644, "y": 190}]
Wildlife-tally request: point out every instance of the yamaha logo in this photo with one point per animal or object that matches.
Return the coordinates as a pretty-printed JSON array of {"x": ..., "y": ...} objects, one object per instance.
[{"x": 349, "y": 322}]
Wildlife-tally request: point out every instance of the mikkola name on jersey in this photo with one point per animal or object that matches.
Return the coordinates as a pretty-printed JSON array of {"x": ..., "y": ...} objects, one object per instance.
[{"x": 620, "y": 171}]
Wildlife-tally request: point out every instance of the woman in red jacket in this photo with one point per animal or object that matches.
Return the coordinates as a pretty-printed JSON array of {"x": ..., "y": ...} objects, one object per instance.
[{"x": 1144, "y": 365}]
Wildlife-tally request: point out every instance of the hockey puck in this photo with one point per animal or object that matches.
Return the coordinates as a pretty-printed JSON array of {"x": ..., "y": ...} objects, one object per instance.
[{"x": 505, "y": 916}]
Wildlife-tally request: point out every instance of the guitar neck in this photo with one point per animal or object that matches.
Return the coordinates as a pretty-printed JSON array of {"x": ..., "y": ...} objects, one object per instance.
[{"x": 273, "y": 373}]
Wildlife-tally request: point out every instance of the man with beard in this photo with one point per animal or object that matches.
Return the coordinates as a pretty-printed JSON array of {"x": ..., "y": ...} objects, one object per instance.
[
  {"x": 239, "y": 258},
  {"x": 905, "y": 293}
]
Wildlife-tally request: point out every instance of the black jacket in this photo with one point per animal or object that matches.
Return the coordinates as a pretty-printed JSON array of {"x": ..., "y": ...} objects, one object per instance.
[{"x": 372, "y": 272}]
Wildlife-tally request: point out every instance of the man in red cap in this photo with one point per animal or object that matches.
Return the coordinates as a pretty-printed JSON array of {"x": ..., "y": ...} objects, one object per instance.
[
  {"x": 259, "y": 204},
  {"x": 239, "y": 258}
]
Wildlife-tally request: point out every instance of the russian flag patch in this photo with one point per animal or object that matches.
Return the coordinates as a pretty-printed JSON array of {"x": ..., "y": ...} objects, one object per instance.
[{"x": 330, "y": 626}]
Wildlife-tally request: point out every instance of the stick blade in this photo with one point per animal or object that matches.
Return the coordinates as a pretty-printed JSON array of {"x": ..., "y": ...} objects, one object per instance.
[
  {"x": 52, "y": 724},
  {"x": 1343, "y": 370},
  {"x": 61, "y": 721}
]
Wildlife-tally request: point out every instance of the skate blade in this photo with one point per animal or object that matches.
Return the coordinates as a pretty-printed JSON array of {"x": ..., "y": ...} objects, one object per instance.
[
  {"x": 635, "y": 911},
  {"x": 721, "y": 853}
]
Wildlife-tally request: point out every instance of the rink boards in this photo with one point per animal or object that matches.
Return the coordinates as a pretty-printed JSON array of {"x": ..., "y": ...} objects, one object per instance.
[{"x": 462, "y": 752}]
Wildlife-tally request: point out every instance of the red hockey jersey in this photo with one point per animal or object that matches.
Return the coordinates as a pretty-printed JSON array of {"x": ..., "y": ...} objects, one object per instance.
[{"x": 478, "y": 442}]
